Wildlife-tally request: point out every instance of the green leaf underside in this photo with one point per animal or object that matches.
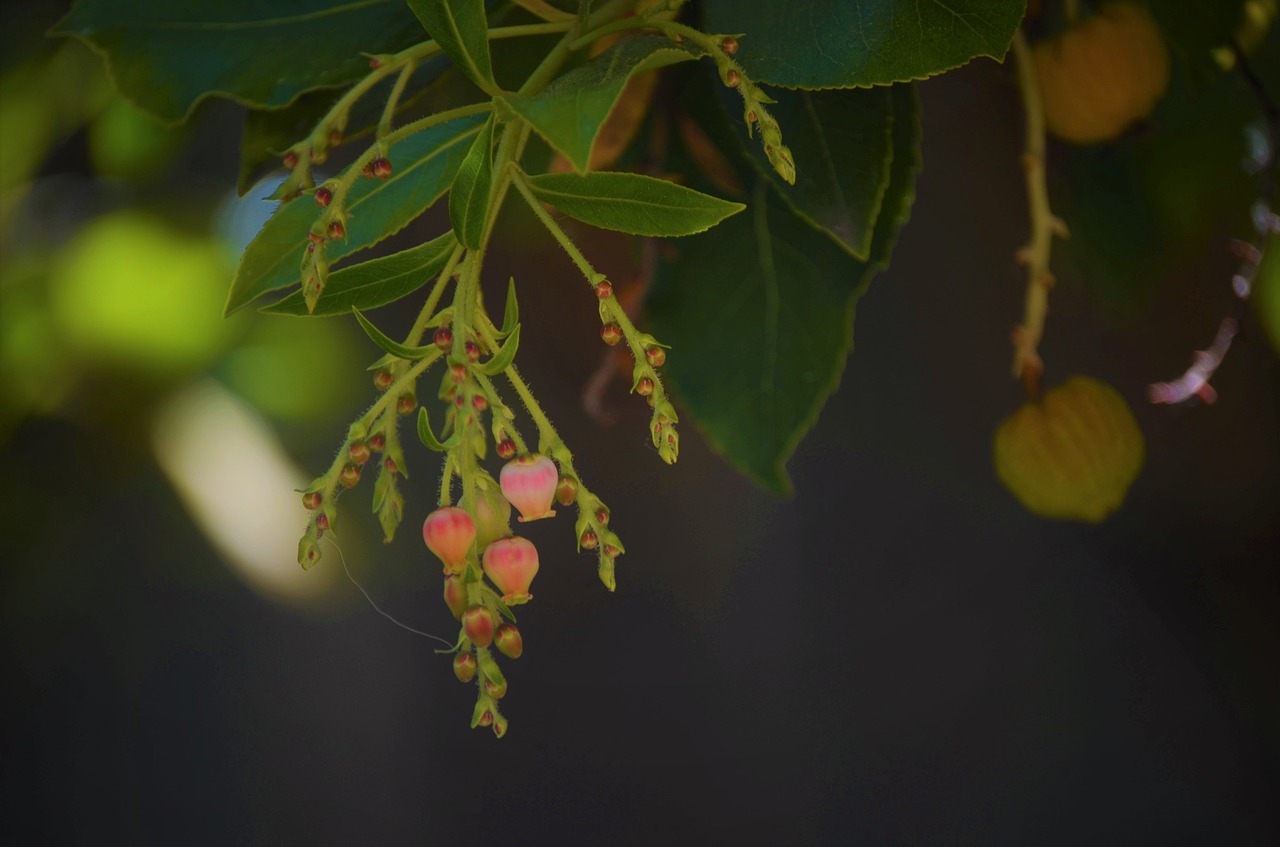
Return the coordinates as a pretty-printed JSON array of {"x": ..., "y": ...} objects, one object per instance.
[
  {"x": 374, "y": 283},
  {"x": 633, "y": 203},
  {"x": 842, "y": 143},
  {"x": 789, "y": 290},
  {"x": 165, "y": 57},
  {"x": 505, "y": 355},
  {"x": 384, "y": 341},
  {"x": 568, "y": 113},
  {"x": 423, "y": 166},
  {"x": 469, "y": 196},
  {"x": 859, "y": 43},
  {"x": 461, "y": 30}
]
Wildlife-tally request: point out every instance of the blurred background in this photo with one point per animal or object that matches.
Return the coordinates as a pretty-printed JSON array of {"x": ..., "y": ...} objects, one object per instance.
[{"x": 897, "y": 655}]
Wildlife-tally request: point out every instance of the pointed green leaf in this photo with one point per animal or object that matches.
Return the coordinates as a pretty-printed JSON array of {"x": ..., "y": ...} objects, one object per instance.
[
  {"x": 842, "y": 141},
  {"x": 373, "y": 283},
  {"x": 859, "y": 43},
  {"x": 166, "y": 57},
  {"x": 506, "y": 354},
  {"x": 423, "y": 166},
  {"x": 640, "y": 205},
  {"x": 428, "y": 437},
  {"x": 392, "y": 347},
  {"x": 568, "y": 113},
  {"x": 789, "y": 290},
  {"x": 469, "y": 197},
  {"x": 460, "y": 28},
  {"x": 511, "y": 311}
]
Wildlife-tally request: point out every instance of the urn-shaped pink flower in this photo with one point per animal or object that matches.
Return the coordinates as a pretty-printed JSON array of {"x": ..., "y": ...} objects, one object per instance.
[
  {"x": 511, "y": 563},
  {"x": 529, "y": 482},
  {"x": 449, "y": 532}
]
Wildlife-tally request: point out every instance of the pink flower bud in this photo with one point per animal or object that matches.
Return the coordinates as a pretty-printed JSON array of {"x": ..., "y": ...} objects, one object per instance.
[
  {"x": 464, "y": 667},
  {"x": 511, "y": 563},
  {"x": 477, "y": 623},
  {"x": 509, "y": 641},
  {"x": 529, "y": 482},
  {"x": 448, "y": 533},
  {"x": 455, "y": 595}
]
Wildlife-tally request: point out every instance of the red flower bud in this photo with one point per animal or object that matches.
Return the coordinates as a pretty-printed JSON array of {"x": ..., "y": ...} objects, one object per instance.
[
  {"x": 602, "y": 516},
  {"x": 486, "y": 719},
  {"x": 589, "y": 541},
  {"x": 359, "y": 452},
  {"x": 322, "y": 522},
  {"x": 337, "y": 230},
  {"x": 312, "y": 499},
  {"x": 449, "y": 532},
  {"x": 479, "y": 403},
  {"x": 405, "y": 404},
  {"x": 506, "y": 448},
  {"x": 644, "y": 387},
  {"x": 382, "y": 379},
  {"x": 529, "y": 482},
  {"x": 324, "y": 196},
  {"x": 511, "y": 564},
  {"x": 455, "y": 595},
  {"x": 509, "y": 641},
  {"x": 611, "y": 334},
  {"x": 464, "y": 667},
  {"x": 458, "y": 373},
  {"x": 731, "y": 78},
  {"x": 443, "y": 338},
  {"x": 498, "y": 691},
  {"x": 656, "y": 356},
  {"x": 604, "y": 290},
  {"x": 291, "y": 160},
  {"x": 567, "y": 491},
  {"x": 349, "y": 476},
  {"x": 377, "y": 442},
  {"x": 477, "y": 624},
  {"x": 472, "y": 350},
  {"x": 380, "y": 167},
  {"x": 611, "y": 551},
  {"x": 729, "y": 45}
]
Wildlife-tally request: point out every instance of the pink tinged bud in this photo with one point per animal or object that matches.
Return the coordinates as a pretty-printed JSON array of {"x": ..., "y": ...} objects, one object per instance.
[
  {"x": 589, "y": 540},
  {"x": 496, "y": 691},
  {"x": 448, "y": 533},
  {"x": 511, "y": 564},
  {"x": 530, "y": 482},
  {"x": 477, "y": 623},
  {"x": 312, "y": 499},
  {"x": 455, "y": 596},
  {"x": 656, "y": 356},
  {"x": 464, "y": 667},
  {"x": 604, "y": 290},
  {"x": 611, "y": 334},
  {"x": 729, "y": 45},
  {"x": 291, "y": 160},
  {"x": 377, "y": 441},
  {"x": 380, "y": 168},
  {"x": 443, "y": 338},
  {"x": 509, "y": 641},
  {"x": 506, "y": 448},
  {"x": 567, "y": 491}
]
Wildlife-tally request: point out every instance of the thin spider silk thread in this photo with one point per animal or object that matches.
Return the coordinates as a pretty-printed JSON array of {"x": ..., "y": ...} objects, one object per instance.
[{"x": 378, "y": 608}]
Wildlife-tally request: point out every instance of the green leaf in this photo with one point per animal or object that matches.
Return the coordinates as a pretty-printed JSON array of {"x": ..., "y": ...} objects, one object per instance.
[
  {"x": 461, "y": 30},
  {"x": 788, "y": 291},
  {"x": 506, "y": 354},
  {"x": 166, "y": 57},
  {"x": 640, "y": 205},
  {"x": 428, "y": 437},
  {"x": 469, "y": 197},
  {"x": 423, "y": 166},
  {"x": 568, "y": 113},
  {"x": 511, "y": 311},
  {"x": 842, "y": 143},
  {"x": 858, "y": 43},
  {"x": 373, "y": 283},
  {"x": 393, "y": 347}
]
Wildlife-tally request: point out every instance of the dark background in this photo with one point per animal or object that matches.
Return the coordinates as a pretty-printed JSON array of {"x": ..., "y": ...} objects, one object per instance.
[{"x": 897, "y": 655}]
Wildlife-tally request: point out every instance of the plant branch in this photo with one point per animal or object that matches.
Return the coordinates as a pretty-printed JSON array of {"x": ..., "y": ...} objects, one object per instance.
[{"x": 1027, "y": 364}]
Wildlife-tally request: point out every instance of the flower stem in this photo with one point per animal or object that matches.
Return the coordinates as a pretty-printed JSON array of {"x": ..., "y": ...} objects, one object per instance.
[{"x": 1027, "y": 364}]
